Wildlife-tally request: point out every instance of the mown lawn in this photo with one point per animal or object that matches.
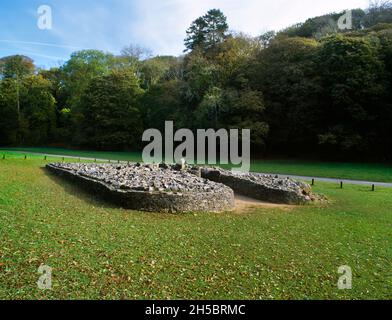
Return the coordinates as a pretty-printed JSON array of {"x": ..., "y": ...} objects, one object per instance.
[
  {"x": 122, "y": 156},
  {"x": 98, "y": 251},
  {"x": 357, "y": 171}
]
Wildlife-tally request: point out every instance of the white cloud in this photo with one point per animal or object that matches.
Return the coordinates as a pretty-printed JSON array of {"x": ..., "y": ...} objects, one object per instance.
[
  {"x": 162, "y": 25},
  {"x": 109, "y": 25}
]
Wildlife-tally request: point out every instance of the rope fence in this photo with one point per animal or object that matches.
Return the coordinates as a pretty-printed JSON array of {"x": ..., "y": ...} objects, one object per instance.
[{"x": 47, "y": 158}]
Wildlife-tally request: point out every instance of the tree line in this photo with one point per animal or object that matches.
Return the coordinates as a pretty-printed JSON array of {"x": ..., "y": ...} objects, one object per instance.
[{"x": 310, "y": 89}]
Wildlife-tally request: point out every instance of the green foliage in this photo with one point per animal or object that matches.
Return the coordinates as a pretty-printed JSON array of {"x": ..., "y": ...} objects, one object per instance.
[
  {"x": 244, "y": 109},
  {"x": 308, "y": 90},
  {"x": 16, "y": 67},
  {"x": 218, "y": 89},
  {"x": 325, "y": 25},
  {"x": 354, "y": 82},
  {"x": 232, "y": 109},
  {"x": 38, "y": 110},
  {"x": 207, "y": 31},
  {"x": 285, "y": 73},
  {"x": 80, "y": 70},
  {"x": 163, "y": 102},
  {"x": 8, "y": 113},
  {"x": 27, "y": 110},
  {"x": 199, "y": 74},
  {"x": 157, "y": 69},
  {"x": 378, "y": 12},
  {"x": 266, "y": 38},
  {"x": 110, "y": 114},
  {"x": 233, "y": 58}
]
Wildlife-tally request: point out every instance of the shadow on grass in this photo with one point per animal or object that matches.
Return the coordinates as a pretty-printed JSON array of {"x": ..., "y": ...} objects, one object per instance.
[
  {"x": 97, "y": 200},
  {"x": 79, "y": 192}
]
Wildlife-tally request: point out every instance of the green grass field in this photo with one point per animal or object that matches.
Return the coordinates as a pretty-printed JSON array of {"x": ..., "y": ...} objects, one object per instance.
[
  {"x": 123, "y": 156},
  {"x": 98, "y": 251},
  {"x": 356, "y": 171}
]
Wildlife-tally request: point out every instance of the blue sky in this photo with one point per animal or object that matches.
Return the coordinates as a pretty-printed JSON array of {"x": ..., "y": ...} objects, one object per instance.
[{"x": 110, "y": 25}]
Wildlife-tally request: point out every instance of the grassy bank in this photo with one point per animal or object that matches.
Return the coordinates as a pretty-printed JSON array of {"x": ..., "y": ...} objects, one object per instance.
[{"x": 98, "y": 251}]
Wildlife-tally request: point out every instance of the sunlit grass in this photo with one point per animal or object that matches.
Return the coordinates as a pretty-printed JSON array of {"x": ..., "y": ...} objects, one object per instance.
[
  {"x": 98, "y": 251},
  {"x": 123, "y": 156}
]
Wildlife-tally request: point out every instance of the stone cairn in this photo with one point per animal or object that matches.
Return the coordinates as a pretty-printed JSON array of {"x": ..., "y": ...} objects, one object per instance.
[
  {"x": 179, "y": 188},
  {"x": 261, "y": 187}
]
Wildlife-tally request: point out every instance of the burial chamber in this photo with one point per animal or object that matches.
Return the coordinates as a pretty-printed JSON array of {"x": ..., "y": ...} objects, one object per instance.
[{"x": 176, "y": 189}]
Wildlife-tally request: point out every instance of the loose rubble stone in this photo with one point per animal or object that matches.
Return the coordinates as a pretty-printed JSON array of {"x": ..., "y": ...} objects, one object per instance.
[
  {"x": 174, "y": 188},
  {"x": 264, "y": 187},
  {"x": 157, "y": 188}
]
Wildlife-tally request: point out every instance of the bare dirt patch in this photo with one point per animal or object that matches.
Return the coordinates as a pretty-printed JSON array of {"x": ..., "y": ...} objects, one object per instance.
[{"x": 244, "y": 204}]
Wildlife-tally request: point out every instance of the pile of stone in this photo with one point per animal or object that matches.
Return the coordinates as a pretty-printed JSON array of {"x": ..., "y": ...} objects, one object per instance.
[
  {"x": 149, "y": 187},
  {"x": 263, "y": 187},
  {"x": 181, "y": 188}
]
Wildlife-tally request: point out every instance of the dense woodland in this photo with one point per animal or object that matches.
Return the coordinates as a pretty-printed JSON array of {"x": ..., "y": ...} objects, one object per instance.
[{"x": 308, "y": 90}]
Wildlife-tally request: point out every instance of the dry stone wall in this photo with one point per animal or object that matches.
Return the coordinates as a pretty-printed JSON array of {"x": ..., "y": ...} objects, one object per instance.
[
  {"x": 172, "y": 188},
  {"x": 148, "y": 188},
  {"x": 263, "y": 187}
]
